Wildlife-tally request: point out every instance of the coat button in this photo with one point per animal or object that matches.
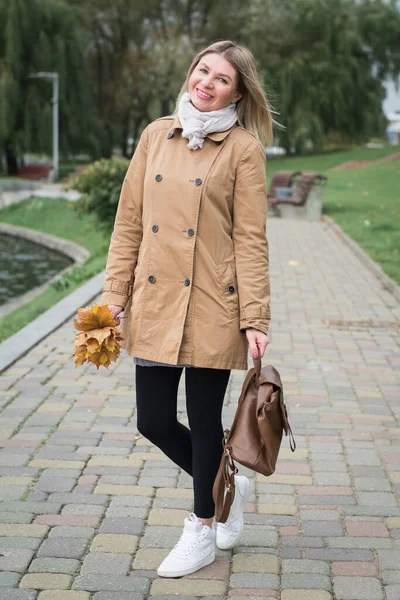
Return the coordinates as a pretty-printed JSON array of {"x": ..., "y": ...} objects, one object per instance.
[
  {"x": 154, "y": 228},
  {"x": 158, "y": 177},
  {"x": 152, "y": 279},
  {"x": 231, "y": 289},
  {"x": 190, "y": 232},
  {"x": 170, "y": 135},
  {"x": 198, "y": 181},
  {"x": 186, "y": 282}
]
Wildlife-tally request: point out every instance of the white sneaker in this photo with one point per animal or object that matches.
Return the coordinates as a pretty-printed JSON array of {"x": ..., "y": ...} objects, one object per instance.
[
  {"x": 195, "y": 549},
  {"x": 230, "y": 532}
]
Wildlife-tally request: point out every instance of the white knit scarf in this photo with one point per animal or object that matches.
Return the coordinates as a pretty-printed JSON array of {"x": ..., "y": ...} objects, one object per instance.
[{"x": 197, "y": 124}]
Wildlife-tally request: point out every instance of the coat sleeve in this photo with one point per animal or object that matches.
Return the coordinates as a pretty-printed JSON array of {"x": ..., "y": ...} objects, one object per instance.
[
  {"x": 250, "y": 240},
  {"x": 128, "y": 230}
]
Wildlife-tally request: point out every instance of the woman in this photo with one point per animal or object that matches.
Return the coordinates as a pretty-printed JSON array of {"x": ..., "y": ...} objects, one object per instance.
[{"x": 188, "y": 264}]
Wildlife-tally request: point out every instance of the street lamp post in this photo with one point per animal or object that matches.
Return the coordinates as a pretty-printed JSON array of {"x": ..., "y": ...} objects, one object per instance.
[{"x": 55, "y": 101}]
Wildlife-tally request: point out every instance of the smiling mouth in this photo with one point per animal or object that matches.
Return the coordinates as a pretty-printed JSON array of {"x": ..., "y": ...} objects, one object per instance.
[{"x": 203, "y": 94}]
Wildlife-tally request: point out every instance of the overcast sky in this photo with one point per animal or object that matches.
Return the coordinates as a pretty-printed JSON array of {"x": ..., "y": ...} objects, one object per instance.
[{"x": 392, "y": 102}]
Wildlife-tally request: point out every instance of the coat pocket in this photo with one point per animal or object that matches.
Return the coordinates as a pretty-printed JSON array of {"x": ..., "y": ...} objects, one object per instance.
[{"x": 227, "y": 284}]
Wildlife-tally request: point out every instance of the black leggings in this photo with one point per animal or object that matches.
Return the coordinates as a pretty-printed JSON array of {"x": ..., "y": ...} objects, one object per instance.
[{"x": 197, "y": 450}]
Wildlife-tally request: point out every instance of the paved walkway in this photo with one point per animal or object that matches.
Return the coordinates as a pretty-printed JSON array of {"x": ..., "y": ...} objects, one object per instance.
[{"x": 89, "y": 507}]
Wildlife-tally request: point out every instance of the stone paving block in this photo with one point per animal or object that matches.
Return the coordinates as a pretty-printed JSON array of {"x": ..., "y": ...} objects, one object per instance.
[
  {"x": 123, "y": 490},
  {"x": 358, "y": 569},
  {"x": 9, "y": 579},
  {"x": 15, "y": 560},
  {"x": 19, "y": 542},
  {"x": 114, "y": 543},
  {"x": 366, "y": 529},
  {"x": 149, "y": 558},
  {"x": 160, "y": 537},
  {"x": 103, "y": 563},
  {"x": 67, "y": 520},
  {"x": 306, "y": 581},
  {"x": 319, "y": 515},
  {"x": 46, "y": 581},
  {"x": 55, "y": 484},
  {"x": 219, "y": 569},
  {"x": 277, "y": 509},
  {"x": 254, "y": 580},
  {"x": 160, "y": 516},
  {"x": 376, "y": 499},
  {"x": 31, "y": 530},
  {"x": 306, "y": 594},
  {"x": 359, "y": 542},
  {"x": 317, "y": 567},
  {"x": 261, "y": 563},
  {"x": 390, "y": 577},
  {"x": 339, "y": 554},
  {"x": 79, "y": 498},
  {"x": 128, "y": 525},
  {"x": 174, "y": 493},
  {"x": 392, "y": 592},
  {"x": 12, "y": 594},
  {"x": 64, "y": 531},
  {"x": 112, "y": 583},
  {"x": 190, "y": 587},
  {"x": 43, "y": 463},
  {"x": 372, "y": 484},
  {"x": 323, "y": 528},
  {"x": 355, "y": 588},
  {"x": 63, "y": 595},
  {"x": 92, "y": 510},
  {"x": 118, "y": 596},
  {"x": 18, "y": 518},
  {"x": 68, "y": 566},
  {"x": 32, "y": 507},
  {"x": 393, "y": 522},
  {"x": 259, "y": 536},
  {"x": 389, "y": 559},
  {"x": 63, "y": 547}
]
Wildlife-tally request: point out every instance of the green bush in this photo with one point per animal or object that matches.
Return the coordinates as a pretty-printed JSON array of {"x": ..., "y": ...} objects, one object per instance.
[{"x": 100, "y": 183}]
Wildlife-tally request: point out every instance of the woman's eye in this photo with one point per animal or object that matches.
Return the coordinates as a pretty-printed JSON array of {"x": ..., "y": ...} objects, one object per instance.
[
  {"x": 203, "y": 70},
  {"x": 223, "y": 80}
]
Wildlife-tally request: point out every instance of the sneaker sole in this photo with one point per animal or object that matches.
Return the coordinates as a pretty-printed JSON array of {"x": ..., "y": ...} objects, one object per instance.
[
  {"x": 204, "y": 563},
  {"x": 246, "y": 495}
]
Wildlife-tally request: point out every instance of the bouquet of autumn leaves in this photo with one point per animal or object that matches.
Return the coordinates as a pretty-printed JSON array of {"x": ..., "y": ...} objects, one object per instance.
[{"x": 99, "y": 340}]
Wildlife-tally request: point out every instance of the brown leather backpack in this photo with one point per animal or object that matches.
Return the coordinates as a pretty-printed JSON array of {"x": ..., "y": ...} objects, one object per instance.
[{"x": 255, "y": 437}]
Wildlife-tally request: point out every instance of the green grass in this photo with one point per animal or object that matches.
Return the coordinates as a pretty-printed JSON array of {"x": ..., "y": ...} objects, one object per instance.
[
  {"x": 328, "y": 160},
  {"x": 58, "y": 217},
  {"x": 364, "y": 201}
]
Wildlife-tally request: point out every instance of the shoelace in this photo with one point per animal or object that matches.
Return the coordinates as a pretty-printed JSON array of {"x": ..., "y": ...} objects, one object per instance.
[{"x": 184, "y": 546}]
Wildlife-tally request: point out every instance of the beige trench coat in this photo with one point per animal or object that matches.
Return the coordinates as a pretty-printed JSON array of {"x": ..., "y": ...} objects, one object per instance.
[{"x": 188, "y": 257}]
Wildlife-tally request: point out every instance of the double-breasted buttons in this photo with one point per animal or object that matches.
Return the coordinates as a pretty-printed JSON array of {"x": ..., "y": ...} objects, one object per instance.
[
  {"x": 154, "y": 228},
  {"x": 158, "y": 177},
  {"x": 198, "y": 181},
  {"x": 170, "y": 135},
  {"x": 186, "y": 282},
  {"x": 152, "y": 279},
  {"x": 231, "y": 289},
  {"x": 190, "y": 232}
]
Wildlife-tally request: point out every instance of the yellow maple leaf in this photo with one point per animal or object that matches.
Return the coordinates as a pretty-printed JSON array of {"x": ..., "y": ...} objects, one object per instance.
[
  {"x": 98, "y": 341},
  {"x": 94, "y": 318}
]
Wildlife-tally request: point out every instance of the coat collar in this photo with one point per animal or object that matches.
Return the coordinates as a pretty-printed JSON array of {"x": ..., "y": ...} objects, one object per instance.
[{"x": 217, "y": 136}]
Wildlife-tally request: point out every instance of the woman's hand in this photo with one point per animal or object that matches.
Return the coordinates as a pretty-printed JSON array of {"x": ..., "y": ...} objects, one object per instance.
[
  {"x": 258, "y": 341},
  {"x": 115, "y": 310}
]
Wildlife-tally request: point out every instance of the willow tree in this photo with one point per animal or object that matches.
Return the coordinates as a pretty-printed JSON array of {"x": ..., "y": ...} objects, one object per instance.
[
  {"x": 327, "y": 67},
  {"x": 41, "y": 35}
]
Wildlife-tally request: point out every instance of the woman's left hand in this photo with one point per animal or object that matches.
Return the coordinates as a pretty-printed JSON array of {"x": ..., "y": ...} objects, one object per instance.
[{"x": 258, "y": 341}]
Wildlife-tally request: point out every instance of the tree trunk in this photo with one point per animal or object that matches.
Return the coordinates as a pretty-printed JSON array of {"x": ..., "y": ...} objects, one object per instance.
[
  {"x": 11, "y": 160},
  {"x": 125, "y": 135}
]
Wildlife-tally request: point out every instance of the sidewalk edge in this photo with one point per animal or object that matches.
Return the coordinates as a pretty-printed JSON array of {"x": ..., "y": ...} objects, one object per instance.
[
  {"x": 388, "y": 283},
  {"x": 24, "y": 340}
]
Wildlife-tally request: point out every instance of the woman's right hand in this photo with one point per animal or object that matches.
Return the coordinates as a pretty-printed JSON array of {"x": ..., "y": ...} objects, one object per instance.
[{"x": 115, "y": 311}]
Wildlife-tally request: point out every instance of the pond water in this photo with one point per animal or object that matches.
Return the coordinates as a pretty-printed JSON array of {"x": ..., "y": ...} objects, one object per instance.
[{"x": 25, "y": 265}]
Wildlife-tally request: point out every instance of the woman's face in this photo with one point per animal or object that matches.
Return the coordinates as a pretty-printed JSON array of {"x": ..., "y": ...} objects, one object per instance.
[{"x": 213, "y": 83}]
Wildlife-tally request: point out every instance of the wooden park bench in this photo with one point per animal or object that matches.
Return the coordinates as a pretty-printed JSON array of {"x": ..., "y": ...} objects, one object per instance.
[
  {"x": 36, "y": 172},
  {"x": 296, "y": 195}
]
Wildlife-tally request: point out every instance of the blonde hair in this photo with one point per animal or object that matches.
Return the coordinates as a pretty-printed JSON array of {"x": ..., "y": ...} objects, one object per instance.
[{"x": 253, "y": 108}]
